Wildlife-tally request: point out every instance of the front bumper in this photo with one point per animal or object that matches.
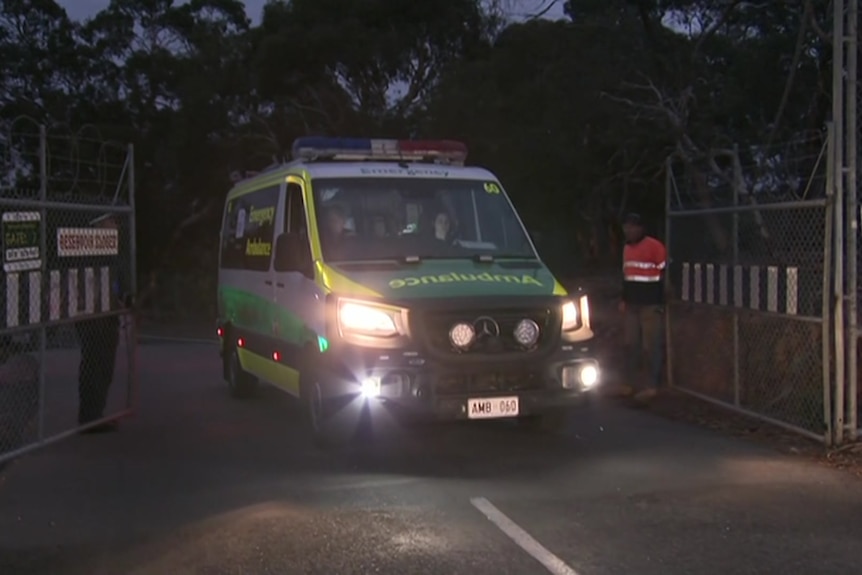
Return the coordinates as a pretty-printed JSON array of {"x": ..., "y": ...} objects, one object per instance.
[{"x": 412, "y": 382}]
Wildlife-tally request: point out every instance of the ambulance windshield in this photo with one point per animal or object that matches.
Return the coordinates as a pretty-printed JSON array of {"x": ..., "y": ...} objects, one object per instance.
[{"x": 366, "y": 219}]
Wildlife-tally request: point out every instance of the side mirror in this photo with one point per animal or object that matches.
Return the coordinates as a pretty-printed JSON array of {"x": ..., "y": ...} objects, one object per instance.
[{"x": 292, "y": 255}]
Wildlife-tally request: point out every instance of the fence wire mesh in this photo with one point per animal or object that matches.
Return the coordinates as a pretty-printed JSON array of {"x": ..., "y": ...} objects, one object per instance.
[
  {"x": 747, "y": 289},
  {"x": 67, "y": 338}
]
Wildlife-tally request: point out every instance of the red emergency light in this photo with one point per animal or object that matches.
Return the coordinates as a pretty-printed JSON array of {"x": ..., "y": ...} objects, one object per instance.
[{"x": 369, "y": 149}]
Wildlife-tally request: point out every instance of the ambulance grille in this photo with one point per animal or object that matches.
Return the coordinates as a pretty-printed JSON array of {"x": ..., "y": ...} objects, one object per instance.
[
  {"x": 436, "y": 325},
  {"x": 491, "y": 382}
]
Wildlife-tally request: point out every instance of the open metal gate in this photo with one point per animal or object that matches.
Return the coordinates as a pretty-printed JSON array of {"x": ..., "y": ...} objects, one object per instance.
[{"x": 67, "y": 212}]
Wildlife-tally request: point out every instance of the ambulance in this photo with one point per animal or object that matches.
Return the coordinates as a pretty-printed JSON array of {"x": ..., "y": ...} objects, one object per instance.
[{"x": 386, "y": 276}]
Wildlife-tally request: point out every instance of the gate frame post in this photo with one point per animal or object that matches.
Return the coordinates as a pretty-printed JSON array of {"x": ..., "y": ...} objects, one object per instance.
[
  {"x": 851, "y": 222},
  {"x": 668, "y": 287},
  {"x": 837, "y": 189}
]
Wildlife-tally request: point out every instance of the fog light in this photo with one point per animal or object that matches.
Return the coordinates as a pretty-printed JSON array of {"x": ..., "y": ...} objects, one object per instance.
[
  {"x": 394, "y": 384},
  {"x": 370, "y": 387},
  {"x": 582, "y": 376},
  {"x": 462, "y": 335},
  {"x": 589, "y": 376},
  {"x": 571, "y": 377},
  {"x": 527, "y": 333}
]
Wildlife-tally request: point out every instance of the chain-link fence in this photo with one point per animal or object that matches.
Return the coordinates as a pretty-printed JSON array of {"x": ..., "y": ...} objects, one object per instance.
[
  {"x": 68, "y": 242},
  {"x": 748, "y": 312}
]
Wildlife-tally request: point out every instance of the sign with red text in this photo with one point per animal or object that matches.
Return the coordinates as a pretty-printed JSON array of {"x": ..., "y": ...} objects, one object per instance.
[{"x": 77, "y": 242}]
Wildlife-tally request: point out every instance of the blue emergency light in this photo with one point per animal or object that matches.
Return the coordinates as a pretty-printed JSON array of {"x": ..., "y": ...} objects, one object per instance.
[{"x": 363, "y": 149}]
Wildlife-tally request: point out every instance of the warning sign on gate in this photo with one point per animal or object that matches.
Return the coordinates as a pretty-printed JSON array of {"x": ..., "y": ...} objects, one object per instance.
[
  {"x": 21, "y": 234},
  {"x": 76, "y": 242}
]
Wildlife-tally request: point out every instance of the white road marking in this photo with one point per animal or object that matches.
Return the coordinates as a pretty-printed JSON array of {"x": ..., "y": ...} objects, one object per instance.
[{"x": 524, "y": 540}]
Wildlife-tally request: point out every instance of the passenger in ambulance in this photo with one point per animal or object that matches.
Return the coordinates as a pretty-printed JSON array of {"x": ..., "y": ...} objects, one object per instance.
[
  {"x": 442, "y": 227},
  {"x": 333, "y": 232},
  {"x": 378, "y": 229},
  {"x": 335, "y": 221},
  {"x": 437, "y": 235}
]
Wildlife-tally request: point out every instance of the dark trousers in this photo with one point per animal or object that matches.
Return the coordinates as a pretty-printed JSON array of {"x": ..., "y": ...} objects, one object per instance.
[
  {"x": 99, "y": 339},
  {"x": 644, "y": 339}
]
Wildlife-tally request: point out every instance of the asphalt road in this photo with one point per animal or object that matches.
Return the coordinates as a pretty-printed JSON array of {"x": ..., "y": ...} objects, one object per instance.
[{"x": 200, "y": 483}]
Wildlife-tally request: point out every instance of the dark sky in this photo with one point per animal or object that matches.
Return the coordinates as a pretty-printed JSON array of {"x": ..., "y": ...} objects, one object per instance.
[{"x": 80, "y": 9}]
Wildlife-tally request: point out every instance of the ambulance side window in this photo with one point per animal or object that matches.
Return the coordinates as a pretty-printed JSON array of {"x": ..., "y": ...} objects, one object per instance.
[
  {"x": 247, "y": 233},
  {"x": 232, "y": 233},
  {"x": 295, "y": 217}
]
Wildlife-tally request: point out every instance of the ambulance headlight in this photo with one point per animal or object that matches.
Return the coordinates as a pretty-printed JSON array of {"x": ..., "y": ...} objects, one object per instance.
[
  {"x": 576, "y": 313},
  {"x": 570, "y": 316},
  {"x": 367, "y": 319}
]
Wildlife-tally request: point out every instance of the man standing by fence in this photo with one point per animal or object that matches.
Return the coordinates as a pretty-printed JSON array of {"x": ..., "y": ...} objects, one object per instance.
[{"x": 642, "y": 305}]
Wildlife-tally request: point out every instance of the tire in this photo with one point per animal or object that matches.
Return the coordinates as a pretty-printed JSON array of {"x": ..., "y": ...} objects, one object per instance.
[
  {"x": 321, "y": 413},
  {"x": 240, "y": 384}
]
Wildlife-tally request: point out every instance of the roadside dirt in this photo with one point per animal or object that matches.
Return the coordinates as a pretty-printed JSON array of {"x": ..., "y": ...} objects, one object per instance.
[{"x": 678, "y": 406}]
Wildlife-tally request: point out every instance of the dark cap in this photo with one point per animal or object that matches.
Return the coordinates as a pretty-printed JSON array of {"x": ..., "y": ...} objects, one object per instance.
[{"x": 633, "y": 219}]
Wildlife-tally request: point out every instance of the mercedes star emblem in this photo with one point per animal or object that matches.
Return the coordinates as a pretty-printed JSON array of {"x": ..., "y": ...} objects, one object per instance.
[{"x": 486, "y": 327}]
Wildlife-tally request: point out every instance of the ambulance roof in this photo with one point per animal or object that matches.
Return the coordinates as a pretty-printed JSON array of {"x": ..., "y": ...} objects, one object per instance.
[
  {"x": 371, "y": 158},
  {"x": 339, "y": 169}
]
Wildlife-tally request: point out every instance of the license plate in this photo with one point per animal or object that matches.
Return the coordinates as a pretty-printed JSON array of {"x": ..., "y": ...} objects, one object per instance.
[{"x": 492, "y": 407}]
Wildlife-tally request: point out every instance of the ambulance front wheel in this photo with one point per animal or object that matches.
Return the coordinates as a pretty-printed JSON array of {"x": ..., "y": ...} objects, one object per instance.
[
  {"x": 327, "y": 429},
  {"x": 240, "y": 383}
]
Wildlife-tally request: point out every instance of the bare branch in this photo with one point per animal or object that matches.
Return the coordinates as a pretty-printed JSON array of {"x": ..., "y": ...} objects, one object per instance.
[
  {"x": 269, "y": 136},
  {"x": 301, "y": 109},
  {"x": 788, "y": 85},
  {"x": 423, "y": 75},
  {"x": 815, "y": 25},
  {"x": 633, "y": 104},
  {"x": 323, "y": 109},
  {"x": 717, "y": 25},
  {"x": 544, "y": 10},
  {"x": 674, "y": 110}
]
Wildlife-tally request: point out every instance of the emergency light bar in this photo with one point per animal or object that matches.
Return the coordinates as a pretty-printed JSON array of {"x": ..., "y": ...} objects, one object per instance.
[{"x": 362, "y": 149}]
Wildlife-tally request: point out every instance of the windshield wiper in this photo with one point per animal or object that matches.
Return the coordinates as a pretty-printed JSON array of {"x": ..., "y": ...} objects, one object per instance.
[
  {"x": 374, "y": 262},
  {"x": 487, "y": 258},
  {"x": 479, "y": 258}
]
